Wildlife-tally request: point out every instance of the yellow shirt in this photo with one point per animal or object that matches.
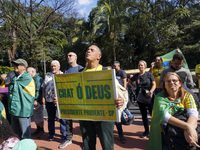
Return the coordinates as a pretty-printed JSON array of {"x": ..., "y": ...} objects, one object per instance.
[
  {"x": 187, "y": 102},
  {"x": 156, "y": 73},
  {"x": 3, "y": 84},
  {"x": 98, "y": 68},
  {"x": 197, "y": 71}
]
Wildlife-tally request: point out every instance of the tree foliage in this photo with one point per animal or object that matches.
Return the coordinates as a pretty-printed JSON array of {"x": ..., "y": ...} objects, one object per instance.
[
  {"x": 30, "y": 19},
  {"x": 127, "y": 31}
]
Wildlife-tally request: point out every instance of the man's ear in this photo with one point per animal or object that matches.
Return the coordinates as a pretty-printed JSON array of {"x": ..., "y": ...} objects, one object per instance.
[{"x": 99, "y": 57}]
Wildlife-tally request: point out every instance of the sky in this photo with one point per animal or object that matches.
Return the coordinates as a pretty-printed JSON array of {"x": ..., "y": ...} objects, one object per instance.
[{"x": 85, "y": 6}]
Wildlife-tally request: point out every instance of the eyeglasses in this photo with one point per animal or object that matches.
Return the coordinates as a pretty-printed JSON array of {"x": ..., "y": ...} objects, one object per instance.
[
  {"x": 70, "y": 55},
  {"x": 174, "y": 81}
]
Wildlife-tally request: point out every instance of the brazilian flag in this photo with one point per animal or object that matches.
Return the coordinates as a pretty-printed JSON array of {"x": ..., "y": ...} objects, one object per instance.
[{"x": 168, "y": 57}]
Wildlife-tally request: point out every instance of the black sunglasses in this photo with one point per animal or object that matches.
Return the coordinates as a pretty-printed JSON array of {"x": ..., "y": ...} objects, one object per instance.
[
  {"x": 18, "y": 64},
  {"x": 70, "y": 55}
]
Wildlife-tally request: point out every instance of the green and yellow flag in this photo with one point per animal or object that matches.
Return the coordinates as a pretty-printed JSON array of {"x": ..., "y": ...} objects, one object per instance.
[{"x": 168, "y": 57}]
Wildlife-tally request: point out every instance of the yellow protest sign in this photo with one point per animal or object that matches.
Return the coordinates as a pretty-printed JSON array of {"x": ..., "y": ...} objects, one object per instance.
[{"x": 86, "y": 95}]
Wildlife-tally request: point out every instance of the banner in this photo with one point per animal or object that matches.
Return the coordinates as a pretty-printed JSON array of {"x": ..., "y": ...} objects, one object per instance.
[
  {"x": 168, "y": 57},
  {"x": 86, "y": 95}
]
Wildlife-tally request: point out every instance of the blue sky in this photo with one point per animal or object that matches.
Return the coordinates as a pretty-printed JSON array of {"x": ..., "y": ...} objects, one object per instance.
[{"x": 85, "y": 6}]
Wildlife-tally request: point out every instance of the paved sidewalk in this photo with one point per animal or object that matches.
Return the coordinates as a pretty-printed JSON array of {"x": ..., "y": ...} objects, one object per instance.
[{"x": 132, "y": 134}]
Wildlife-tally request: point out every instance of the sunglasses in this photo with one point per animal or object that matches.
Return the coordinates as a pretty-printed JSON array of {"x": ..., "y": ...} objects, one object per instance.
[
  {"x": 18, "y": 65},
  {"x": 70, "y": 55}
]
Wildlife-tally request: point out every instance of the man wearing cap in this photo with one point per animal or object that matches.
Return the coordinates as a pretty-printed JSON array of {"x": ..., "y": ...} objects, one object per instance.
[{"x": 21, "y": 97}]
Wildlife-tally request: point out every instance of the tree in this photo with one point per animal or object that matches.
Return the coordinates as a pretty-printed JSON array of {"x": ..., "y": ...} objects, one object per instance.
[
  {"x": 108, "y": 20},
  {"x": 36, "y": 17},
  {"x": 8, "y": 35}
]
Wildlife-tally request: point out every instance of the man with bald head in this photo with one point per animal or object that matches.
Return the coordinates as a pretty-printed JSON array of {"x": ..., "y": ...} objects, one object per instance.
[
  {"x": 66, "y": 127},
  {"x": 104, "y": 129}
]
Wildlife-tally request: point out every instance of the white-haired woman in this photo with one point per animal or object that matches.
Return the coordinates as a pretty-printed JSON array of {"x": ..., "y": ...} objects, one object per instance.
[{"x": 48, "y": 96}]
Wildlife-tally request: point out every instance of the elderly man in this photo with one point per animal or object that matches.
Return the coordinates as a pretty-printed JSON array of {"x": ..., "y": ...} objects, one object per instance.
[
  {"x": 21, "y": 97},
  {"x": 104, "y": 129},
  {"x": 66, "y": 128},
  {"x": 48, "y": 95},
  {"x": 38, "y": 106}
]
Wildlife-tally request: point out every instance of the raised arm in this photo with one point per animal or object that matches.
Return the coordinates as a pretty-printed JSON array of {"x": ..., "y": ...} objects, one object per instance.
[{"x": 152, "y": 65}]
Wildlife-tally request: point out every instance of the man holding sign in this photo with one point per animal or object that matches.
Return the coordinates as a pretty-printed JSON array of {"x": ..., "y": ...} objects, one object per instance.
[
  {"x": 104, "y": 129},
  {"x": 90, "y": 96}
]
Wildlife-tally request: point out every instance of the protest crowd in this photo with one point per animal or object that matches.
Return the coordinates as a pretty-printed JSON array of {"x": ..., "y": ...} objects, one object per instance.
[{"x": 164, "y": 92}]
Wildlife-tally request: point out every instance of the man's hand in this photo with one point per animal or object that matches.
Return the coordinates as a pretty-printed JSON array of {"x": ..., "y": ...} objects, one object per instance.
[
  {"x": 43, "y": 101},
  {"x": 152, "y": 64},
  {"x": 178, "y": 50},
  {"x": 119, "y": 102},
  {"x": 55, "y": 101},
  {"x": 35, "y": 103}
]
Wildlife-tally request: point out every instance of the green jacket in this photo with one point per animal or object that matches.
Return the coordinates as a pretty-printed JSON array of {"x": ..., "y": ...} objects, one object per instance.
[
  {"x": 21, "y": 95},
  {"x": 38, "y": 82}
]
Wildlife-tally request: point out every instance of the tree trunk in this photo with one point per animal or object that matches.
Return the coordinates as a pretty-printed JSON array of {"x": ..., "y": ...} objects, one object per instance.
[{"x": 9, "y": 52}]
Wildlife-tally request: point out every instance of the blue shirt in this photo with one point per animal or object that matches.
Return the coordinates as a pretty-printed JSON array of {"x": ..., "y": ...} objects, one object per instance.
[{"x": 75, "y": 69}]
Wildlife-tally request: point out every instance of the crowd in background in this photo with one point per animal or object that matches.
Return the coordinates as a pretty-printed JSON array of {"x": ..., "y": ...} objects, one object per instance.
[{"x": 160, "y": 91}]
